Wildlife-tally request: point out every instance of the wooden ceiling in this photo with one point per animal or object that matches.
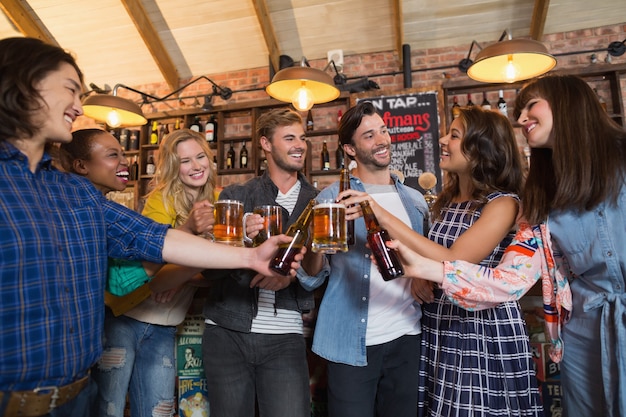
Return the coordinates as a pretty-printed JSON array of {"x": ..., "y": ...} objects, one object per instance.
[{"x": 137, "y": 42}]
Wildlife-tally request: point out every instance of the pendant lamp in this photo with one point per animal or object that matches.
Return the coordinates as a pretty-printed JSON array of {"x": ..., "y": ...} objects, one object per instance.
[
  {"x": 302, "y": 86},
  {"x": 511, "y": 60},
  {"x": 115, "y": 111}
]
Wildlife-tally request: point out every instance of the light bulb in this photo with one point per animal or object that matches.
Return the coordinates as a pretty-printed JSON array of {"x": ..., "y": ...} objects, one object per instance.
[
  {"x": 511, "y": 70},
  {"x": 113, "y": 118},
  {"x": 302, "y": 98}
]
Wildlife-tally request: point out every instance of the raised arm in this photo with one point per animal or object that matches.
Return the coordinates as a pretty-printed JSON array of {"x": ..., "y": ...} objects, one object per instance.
[
  {"x": 193, "y": 251},
  {"x": 495, "y": 222}
]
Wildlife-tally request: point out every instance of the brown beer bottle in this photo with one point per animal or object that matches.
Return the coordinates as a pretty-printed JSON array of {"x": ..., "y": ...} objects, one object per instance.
[
  {"x": 344, "y": 184},
  {"x": 299, "y": 230},
  {"x": 387, "y": 260}
]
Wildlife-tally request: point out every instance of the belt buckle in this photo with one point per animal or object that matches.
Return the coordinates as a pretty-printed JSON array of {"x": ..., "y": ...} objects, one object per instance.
[{"x": 53, "y": 398}]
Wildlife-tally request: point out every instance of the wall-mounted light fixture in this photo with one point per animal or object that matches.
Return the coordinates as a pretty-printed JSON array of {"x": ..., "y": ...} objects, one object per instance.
[
  {"x": 341, "y": 81},
  {"x": 118, "y": 111},
  {"x": 511, "y": 60},
  {"x": 302, "y": 86}
]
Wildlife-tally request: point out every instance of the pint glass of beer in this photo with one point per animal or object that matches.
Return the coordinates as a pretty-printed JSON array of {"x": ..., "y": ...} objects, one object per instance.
[
  {"x": 272, "y": 223},
  {"x": 329, "y": 227},
  {"x": 228, "y": 227}
]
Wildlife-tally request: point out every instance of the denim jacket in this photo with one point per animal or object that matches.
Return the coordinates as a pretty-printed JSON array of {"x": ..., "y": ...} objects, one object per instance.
[
  {"x": 231, "y": 303},
  {"x": 594, "y": 244},
  {"x": 342, "y": 319}
]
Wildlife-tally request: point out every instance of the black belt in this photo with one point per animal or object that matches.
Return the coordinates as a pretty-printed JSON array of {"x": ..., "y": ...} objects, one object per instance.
[{"x": 41, "y": 400}]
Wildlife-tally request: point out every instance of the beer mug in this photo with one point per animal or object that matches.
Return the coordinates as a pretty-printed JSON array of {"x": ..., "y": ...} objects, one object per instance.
[
  {"x": 329, "y": 227},
  {"x": 272, "y": 223},
  {"x": 228, "y": 227}
]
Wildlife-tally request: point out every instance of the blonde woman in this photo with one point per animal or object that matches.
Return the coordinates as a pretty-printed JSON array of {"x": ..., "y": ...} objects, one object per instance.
[{"x": 139, "y": 346}]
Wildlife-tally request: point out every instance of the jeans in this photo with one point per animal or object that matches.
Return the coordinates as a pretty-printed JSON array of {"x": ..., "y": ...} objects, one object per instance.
[
  {"x": 138, "y": 358},
  {"x": 386, "y": 387},
  {"x": 272, "y": 366}
]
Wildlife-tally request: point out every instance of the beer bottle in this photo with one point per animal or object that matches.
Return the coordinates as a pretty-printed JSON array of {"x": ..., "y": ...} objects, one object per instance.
[
  {"x": 195, "y": 126},
  {"x": 243, "y": 156},
  {"x": 387, "y": 260},
  {"x": 325, "y": 157},
  {"x": 456, "y": 109},
  {"x": 344, "y": 184},
  {"x": 299, "y": 231},
  {"x": 230, "y": 157}
]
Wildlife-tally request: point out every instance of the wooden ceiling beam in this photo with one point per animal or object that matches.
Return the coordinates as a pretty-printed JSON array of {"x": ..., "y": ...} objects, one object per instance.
[
  {"x": 398, "y": 27},
  {"x": 26, "y": 20},
  {"x": 153, "y": 42},
  {"x": 269, "y": 34},
  {"x": 538, "y": 20}
]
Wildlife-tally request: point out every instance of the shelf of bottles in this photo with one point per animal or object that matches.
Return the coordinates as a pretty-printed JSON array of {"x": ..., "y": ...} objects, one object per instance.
[
  {"x": 604, "y": 79},
  {"x": 325, "y": 153}
]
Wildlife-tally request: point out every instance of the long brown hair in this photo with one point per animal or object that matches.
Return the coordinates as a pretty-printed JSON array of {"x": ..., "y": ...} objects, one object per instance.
[
  {"x": 166, "y": 177},
  {"x": 586, "y": 163},
  {"x": 491, "y": 149}
]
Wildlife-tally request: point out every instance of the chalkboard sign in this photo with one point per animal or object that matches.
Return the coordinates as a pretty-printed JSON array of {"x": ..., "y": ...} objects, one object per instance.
[{"x": 414, "y": 125}]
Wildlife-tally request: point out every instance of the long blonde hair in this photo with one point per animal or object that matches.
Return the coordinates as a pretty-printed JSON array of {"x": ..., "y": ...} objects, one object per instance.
[{"x": 166, "y": 178}]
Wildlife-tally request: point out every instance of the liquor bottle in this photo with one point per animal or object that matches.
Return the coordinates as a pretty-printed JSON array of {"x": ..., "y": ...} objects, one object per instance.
[
  {"x": 339, "y": 156},
  {"x": 485, "y": 104},
  {"x": 134, "y": 170},
  {"x": 456, "y": 109},
  {"x": 177, "y": 124},
  {"x": 164, "y": 130},
  {"x": 150, "y": 167},
  {"x": 209, "y": 130},
  {"x": 344, "y": 184},
  {"x": 470, "y": 103},
  {"x": 325, "y": 158},
  {"x": 309, "y": 121},
  {"x": 230, "y": 157},
  {"x": 134, "y": 140},
  {"x": 195, "y": 126},
  {"x": 124, "y": 139},
  {"x": 387, "y": 260},
  {"x": 154, "y": 133},
  {"x": 299, "y": 231},
  {"x": 502, "y": 107},
  {"x": 243, "y": 156}
]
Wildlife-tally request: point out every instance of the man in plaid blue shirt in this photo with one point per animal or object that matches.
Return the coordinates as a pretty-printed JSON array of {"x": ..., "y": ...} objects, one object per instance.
[{"x": 56, "y": 233}]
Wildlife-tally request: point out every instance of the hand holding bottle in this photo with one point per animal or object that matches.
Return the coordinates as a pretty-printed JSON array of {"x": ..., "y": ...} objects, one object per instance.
[
  {"x": 265, "y": 253},
  {"x": 416, "y": 265}
]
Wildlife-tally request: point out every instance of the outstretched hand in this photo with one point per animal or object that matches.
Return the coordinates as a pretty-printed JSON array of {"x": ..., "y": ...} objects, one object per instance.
[{"x": 265, "y": 252}]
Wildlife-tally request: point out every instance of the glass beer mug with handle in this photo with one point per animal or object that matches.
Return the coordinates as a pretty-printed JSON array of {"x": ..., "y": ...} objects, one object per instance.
[
  {"x": 329, "y": 227},
  {"x": 299, "y": 231},
  {"x": 272, "y": 224}
]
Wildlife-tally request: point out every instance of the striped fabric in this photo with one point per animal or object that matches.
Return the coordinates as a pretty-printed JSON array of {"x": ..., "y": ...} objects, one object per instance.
[
  {"x": 475, "y": 363},
  {"x": 270, "y": 320}
]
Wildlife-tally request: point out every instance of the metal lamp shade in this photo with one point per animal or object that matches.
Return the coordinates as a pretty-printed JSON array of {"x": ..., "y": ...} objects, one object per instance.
[
  {"x": 523, "y": 58},
  {"x": 115, "y": 111},
  {"x": 287, "y": 81}
]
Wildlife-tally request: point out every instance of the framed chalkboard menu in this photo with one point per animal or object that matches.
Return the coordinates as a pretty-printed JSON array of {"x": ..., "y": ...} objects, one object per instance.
[{"x": 414, "y": 123}]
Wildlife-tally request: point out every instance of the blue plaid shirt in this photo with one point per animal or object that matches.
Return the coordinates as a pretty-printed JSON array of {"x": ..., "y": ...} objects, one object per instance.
[{"x": 56, "y": 232}]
